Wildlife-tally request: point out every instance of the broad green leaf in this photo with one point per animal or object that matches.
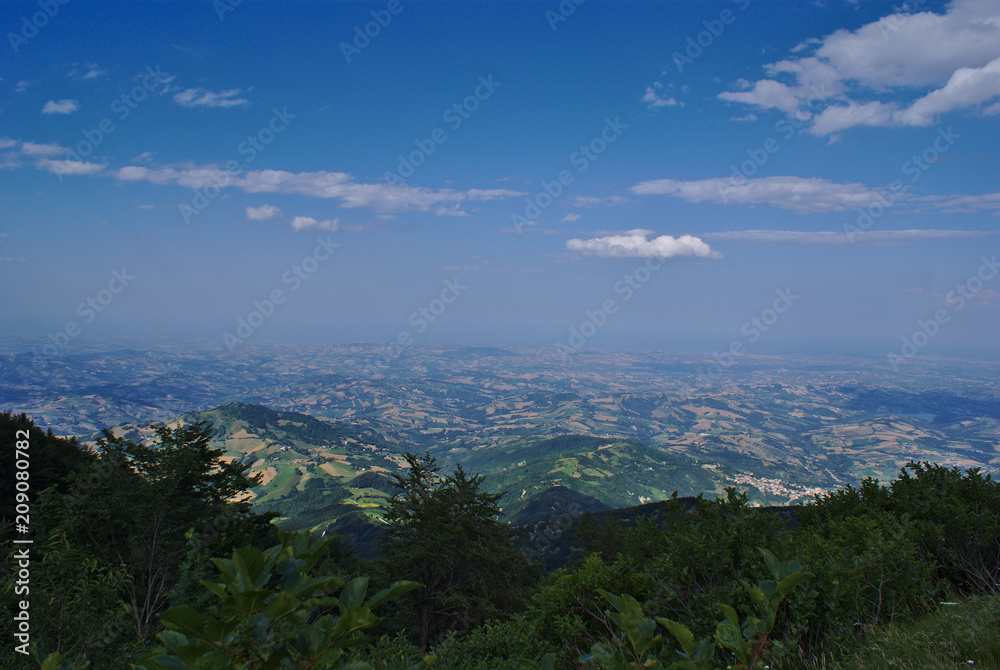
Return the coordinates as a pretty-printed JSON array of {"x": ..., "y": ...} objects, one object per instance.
[
  {"x": 791, "y": 581},
  {"x": 728, "y": 635},
  {"x": 281, "y": 605},
  {"x": 773, "y": 565},
  {"x": 249, "y": 561},
  {"x": 249, "y": 602},
  {"x": 353, "y": 594},
  {"x": 53, "y": 661},
  {"x": 730, "y": 614},
  {"x": 184, "y": 619},
  {"x": 681, "y": 633},
  {"x": 608, "y": 659}
]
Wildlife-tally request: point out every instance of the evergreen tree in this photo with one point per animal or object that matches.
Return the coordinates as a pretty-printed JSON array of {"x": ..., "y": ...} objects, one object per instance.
[
  {"x": 137, "y": 507},
  {"x": 445, "y": 533}
]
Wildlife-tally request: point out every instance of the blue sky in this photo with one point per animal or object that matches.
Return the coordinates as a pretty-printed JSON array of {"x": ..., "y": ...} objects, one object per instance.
[{"x": 662, "y": 171}]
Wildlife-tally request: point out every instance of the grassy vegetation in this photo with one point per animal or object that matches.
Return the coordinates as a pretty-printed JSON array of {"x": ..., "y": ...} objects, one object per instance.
[{"x": 966, "y": 634}]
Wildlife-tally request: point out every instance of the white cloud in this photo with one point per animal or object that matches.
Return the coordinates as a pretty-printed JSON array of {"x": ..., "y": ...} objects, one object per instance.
[
  {"x": 6, "y": 143},
  {"x": 966, "y": 87},
  {"x": 766, "y": 93},
  {"x": 300, "y": 223},
  {"x": 378, "y": 197},
  {"x": 199, "y": 97},
  {"x": 634, "y": 244},
  {"x": 32, "y": 149},
  {"x": 653, "y": 98},
  {"x": 87, "y": 71},
  {"x": 795, "y": 193},
  {"x": 593, "y": 201},
  {"x": 22, "y": 86},
  {"x": 840, "y": 117},
  {"x": 569, "y": 218},
  {"x": 71, "y": 168},
  {"x": 918, "y": 49},
  {"x": 262, "y": 213},
  {"x": 60, "y": 107},
  {"x": 841, "y": 239},
  {"x": 854, "y": 78},
  {"x": 966, "y": 204}
]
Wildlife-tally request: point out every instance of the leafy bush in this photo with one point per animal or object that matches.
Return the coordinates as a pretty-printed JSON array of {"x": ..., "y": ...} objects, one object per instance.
[
  {"x": 264, "y": 617},
  {"x": 748, "y": 644}
]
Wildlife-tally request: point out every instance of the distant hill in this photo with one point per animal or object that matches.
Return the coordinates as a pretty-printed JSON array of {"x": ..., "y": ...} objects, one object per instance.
[
  {"x": 313, "y": 472},
  {"x": 554, "y": 540},
  {"x": 555, "y": 501},
  {"x": 616, "y": 472}
]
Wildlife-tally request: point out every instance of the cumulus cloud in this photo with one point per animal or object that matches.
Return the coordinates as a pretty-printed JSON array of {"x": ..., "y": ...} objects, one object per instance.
[
  {"x": 855, "y": 78},
  {"x": 60, "y": 107},
  {"x": 767, "y": 94},
  {"x": 653, "y": 98},
  {"x": 199, "y": 97},
  {"x": 803, "y": 195},
  {"x": 634, "y": 244},
  {"x": 841, "y": 117},
  {"x": 968, "y": 86},
  {"x": 916, "y": 49},
  {"x": 262, "y": 213},
  {"x": 841, "y": 239},
  {"x": 298, "y": 223}
]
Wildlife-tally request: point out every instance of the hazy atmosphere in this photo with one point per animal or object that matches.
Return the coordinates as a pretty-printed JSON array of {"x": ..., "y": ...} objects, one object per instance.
[
  {"x": 603, "y": 174},
  {"x": 562, "y": 335}
]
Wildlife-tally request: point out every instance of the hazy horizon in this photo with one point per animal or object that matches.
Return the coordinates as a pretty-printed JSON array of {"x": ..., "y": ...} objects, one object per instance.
[{"x": 745, "y": 176}]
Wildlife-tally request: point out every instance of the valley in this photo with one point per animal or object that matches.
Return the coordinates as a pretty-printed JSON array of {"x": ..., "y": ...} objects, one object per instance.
[{"x": 325, "y": 425}]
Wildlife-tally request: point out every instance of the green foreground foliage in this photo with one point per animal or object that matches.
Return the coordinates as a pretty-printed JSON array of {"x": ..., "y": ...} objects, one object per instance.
[
  {"x": 953, "y": 635},
  {"x": 124, "y": 576},
  {"x": 272, "y": 614}
]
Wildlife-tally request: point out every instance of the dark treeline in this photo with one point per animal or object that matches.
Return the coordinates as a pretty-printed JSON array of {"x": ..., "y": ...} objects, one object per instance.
[{"x": 144, "y": 558}]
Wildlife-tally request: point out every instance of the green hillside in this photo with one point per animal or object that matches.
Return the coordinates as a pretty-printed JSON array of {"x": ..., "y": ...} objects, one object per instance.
[
  {"x": 619, "y": 473},
  {"x": 313, "y": 472}
]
